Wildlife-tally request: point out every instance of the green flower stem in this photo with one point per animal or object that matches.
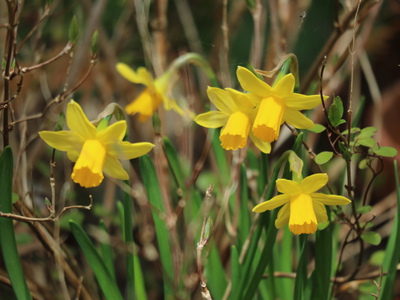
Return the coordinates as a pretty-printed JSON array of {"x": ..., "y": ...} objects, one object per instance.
[
  {"x": 266, "y": 220},
  {"x": 197, "y": 60},
  {"x": 392, "y": 254}
]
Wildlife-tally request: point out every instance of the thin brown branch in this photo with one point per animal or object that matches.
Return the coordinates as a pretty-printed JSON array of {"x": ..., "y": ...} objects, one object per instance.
[
  {"x": 35, "y": 27},
  {"x": 63, "y": 52}
]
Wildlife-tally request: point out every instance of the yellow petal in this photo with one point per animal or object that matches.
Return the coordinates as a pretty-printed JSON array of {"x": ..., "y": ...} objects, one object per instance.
[
  {"x": 63, "y": 140},
  {"x": 88, "y": 170},
  {"x": 141, "y": 76},
  {"x": 271, "y": 204},
  {"x": 320, "y": 212},
  {"x": 78, "y": 122},
  {"x": 283, "y": 216},
  {"x": 330, "y": 199},
  {"x": 269, "y": 119},
  {"x": 245, "y": 102},
  {"x": 285, "y": 86},
  {"x": 264, "y": 147},
  {"x": 126, "y": 150},
  {"x": 235, "y": 133},
  {"x": 252, "y": 83},
  {"x": 222, "y": 100},
  {"x": 287, "y": 186},
  {"x": 113, "y": 168},
  {"x": 297, "y": 119},
  {"x": 113, "y": 133},
  {"x": 302, "y": 216},
  {"x": 73, "y": 155},
  {"x": 314, "y": 182},
  {"x": 302, "y": 102},
  {"x": 145, "y": 104},
  {"x": 212, "y": 119}
]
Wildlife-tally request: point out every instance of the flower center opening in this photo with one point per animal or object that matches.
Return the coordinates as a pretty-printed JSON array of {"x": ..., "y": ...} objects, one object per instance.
[
  {"x": 269, "y": 119},
  {"x": 234, "y": 134},
  {"x": 88, "y": 169},
  {"x": 145, "y": 104},
  {"x": 302, "y": 216}
]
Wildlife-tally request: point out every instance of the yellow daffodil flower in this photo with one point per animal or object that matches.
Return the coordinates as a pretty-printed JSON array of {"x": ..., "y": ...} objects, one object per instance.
[
  {"x": 235, "y": 115},
  {"x": 277, "y": 104},
  {"x": 302, "y": 208},
  {"x": 94, "y": 151},
  {"x": 150, "y": 98}
]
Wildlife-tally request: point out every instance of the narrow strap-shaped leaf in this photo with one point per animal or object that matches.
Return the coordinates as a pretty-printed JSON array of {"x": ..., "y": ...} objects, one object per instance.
[
  {"x": 235, "y": 270},
  {"x": 301, "y": 274},
  {"x": 323, "y": 263},
  {"x": 393, "y": 248},
  {"x": 7, "y": 237},
  {"x": 105, "y": 280},
  {"x": 244, "y": 215},
  {"x": 174, "y": 163},
  {"x": 215, "y": 273},
  {"x": 128, "y": 239},
  {"x": 246, "y": 286},
  {"x": 106, "y": 251},
  {"x": 152, "y": 186}
]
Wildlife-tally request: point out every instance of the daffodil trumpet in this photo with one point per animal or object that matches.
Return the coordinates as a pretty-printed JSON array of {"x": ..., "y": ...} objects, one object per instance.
[
  {"x": 94, "y": 150},
  {"x": 302, "y": 208},
  {"x": 277, "y": 104}
]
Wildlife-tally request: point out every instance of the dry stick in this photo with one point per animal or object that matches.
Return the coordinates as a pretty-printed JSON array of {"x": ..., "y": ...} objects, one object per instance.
[
  {"x": 63, "y": 52},
  {"x": 10, "y": 44},
  {"x": 43, "y": 235},
  {"x": 24, "y": 218},
  {"x": 205, "y": 293},
  {"x": 341, "y": 28},
  {"x": 35, "y": 27},
  {"x": 61, "y": 97},
  {"x": 225, "y": 36},
  {"x": 342, "y": 280},
  {"x": 256, "y": 14}
]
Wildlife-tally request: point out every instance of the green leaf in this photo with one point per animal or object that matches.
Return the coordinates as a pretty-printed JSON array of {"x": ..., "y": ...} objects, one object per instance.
[
  {"x": 174, "y": 162},
  {"x": 106, "y": 250},
  {"x": 344, "y": 151},
  {"x": 95, "y": 43},
  {"x": 15, "y": 198},
  {"x": 322, "y": 226},
  {"x": 150, "y": 181},
  {"x": 371, "y": 237},
  {"x": 352, "y": 130},
  {"x": 295, "y": 164},
  {"x": 392, "y": 253},
  {"x": 73, "y": 30},
  {"x": 377, "y": 258},
  {"x": 363, "y": 164},
  {"x": 60, "y": 122},
  {"x": 318, "y": 128},
  {"x": 323, "y": 157},
  {"x": 301, "y": 275},
  {"x": 235, "y": 270},
  {"x": 103, "y": 276},
  {"x": 364, "y": 209},
  {"x": 367, "y": 132},
  {"x": 250, "y": 4},
  {"x": 386, "y": 151},
  {"x": 8, "y": 244},
  {"x": 208, "y": 228},
  {"x": 335, "y": 111},
  {"x": 367, "y": 142}
]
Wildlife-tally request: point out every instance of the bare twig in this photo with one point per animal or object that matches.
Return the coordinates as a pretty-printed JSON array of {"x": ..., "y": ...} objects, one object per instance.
[{"x": 205, "y": 293}]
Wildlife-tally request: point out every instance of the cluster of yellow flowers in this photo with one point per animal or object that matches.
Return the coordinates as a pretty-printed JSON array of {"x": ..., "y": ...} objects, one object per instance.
[
  {"x": 263, "y": 110},
  {"x": 258, "y": 114}
]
